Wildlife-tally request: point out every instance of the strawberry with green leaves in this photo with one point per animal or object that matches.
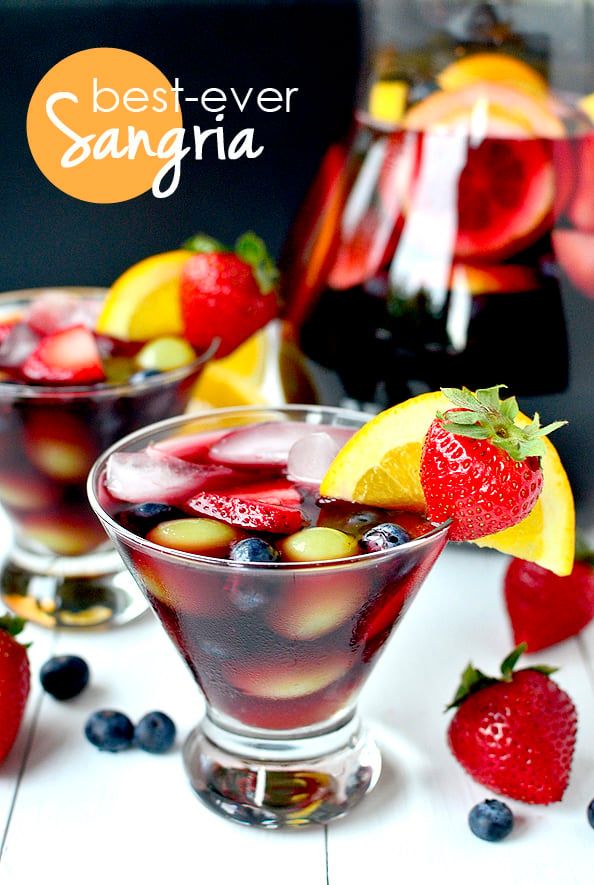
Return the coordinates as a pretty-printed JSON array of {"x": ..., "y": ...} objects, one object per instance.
[
  {"x": 227, "y": 295},
  {"x": 516, "y": 734},
  {"x": 545, "y": 609},
  {"x": 15, "y": 681},
  {"x": 480, "y": 468}
]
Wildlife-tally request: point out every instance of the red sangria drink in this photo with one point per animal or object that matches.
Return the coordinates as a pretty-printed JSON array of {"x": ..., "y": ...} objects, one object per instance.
[
  {"x": 66, "y": 393},
  {"x": 278, "y": 600},
  {"x": 453, "y": 230}
]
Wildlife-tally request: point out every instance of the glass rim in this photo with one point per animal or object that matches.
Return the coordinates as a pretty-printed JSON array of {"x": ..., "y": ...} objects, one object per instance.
[
  {"x": 102, "y": 390},
  {"x": 181, "y": 556}
]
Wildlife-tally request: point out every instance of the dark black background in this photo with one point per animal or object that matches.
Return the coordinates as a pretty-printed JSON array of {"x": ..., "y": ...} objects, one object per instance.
[{"x": 49, "y": 238}]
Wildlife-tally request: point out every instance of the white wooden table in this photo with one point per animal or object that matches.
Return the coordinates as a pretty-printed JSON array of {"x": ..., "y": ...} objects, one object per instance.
[{"x": 70, "y": 814}]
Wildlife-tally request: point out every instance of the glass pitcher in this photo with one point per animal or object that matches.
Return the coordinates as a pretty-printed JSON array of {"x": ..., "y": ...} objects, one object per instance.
[{"x": 450, "y": 239}]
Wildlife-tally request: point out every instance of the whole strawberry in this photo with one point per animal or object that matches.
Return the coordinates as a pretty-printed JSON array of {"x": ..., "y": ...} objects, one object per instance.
[
  {"x": 544, "y": 608},
  {"x": 227, "y": 295},
  {"x": 478, "y": 467},
  {"x": 515, "y": 735},
  {"x": 14, "y": 682}
]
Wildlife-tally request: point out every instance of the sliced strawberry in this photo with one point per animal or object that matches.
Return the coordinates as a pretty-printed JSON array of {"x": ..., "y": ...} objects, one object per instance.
[
  {"x": 280, "y": 492},
  {"x": 250, "y": 514},
  {"x": 67, "y": 357}
]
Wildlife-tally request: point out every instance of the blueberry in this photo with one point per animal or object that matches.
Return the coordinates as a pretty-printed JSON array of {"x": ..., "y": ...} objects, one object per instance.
[
  {"x": 383, "y": 537},
  {"x": 491, "y": 820},
  {"x": 253, "y": 550},
  {"x": 155, "y": 733},
  {"x": 139, "y": 377},
  {"x": 64, "y": 676},
  {"x": 109, "y": 730},
  {"x": 141, "y": 518},
  {"x": 590, "y": 813}
]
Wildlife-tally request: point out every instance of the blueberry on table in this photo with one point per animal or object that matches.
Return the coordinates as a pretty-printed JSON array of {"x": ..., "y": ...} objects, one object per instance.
[
  {"x": 64, "y": 676},
  {"x": 155, "y": 733},
  {"x": 253, "y": 550},
  {"x": 590, "y": 813},
  {"x": 141, "y": 518},
  {"x": 384, "y": 537},
  {"x": 491, "y": 820},
  {"x": 109, "y": 730}
]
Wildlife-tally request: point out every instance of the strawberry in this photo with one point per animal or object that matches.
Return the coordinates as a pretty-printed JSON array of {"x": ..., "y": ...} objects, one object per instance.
[
  {"x": 515, "y": 735},
  {"x": 15, "y": 680},
  {"x": 478, "y": 467},
  {"x": 250, "y": 514},
  {"x": 545, "y": 609},
  {"x": 278, "y": 491},
  {"x": 66, "y": 357},
  {"x": 227, "y": 295}
]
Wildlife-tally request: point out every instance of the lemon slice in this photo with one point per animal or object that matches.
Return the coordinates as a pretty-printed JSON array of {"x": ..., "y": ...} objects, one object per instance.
[
  {"x": 379, "y": 466},
  {"x": 144, "y": 302},
  {"x": 494, "y": 67}
]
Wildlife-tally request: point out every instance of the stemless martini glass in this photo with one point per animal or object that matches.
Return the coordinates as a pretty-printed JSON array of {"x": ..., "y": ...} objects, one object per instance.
[
  {"x": 280, "y": 650},
  {"x": 61, "y": 569}
]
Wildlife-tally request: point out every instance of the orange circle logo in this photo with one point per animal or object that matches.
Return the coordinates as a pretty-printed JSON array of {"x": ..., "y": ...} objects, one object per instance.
[{"x": 104, "y": 125}]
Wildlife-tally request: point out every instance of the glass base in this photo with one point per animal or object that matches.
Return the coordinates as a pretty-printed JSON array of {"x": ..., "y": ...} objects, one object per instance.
[
  {"x": 92, "y": 591},
  {"x": 276, "y": 779}
]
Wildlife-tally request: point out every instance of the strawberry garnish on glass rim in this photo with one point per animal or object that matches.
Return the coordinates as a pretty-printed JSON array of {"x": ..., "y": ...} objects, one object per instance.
[
  {"x": 515, "y": 734},
  {"x": 478, "y": 467}
]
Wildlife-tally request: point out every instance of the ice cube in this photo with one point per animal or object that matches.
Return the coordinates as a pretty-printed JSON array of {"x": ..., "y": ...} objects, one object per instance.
[
  {"x": 19, "y": 344},
  {"x": 269, "y": 444},
  {"x": 56, "y": 310},
  {"x": 310, "y": 457},
  {"x": 151, "y": 475}
]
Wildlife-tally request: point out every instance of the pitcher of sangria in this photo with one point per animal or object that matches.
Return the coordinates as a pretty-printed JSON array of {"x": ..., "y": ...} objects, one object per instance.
[{"x": 453, "y": 231}]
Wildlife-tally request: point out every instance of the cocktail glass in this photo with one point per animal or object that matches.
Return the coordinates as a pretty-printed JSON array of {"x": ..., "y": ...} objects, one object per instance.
[
  {"x": 281, "y": 743},
  {"x": 62, "y": 569}
]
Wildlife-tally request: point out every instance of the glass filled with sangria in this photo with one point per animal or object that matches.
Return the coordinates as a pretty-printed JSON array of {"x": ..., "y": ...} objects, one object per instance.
[
  {"x": 67, "y": 392},
  {"x": 278, "y": 600},
  {"x": 454, "y": 229}
]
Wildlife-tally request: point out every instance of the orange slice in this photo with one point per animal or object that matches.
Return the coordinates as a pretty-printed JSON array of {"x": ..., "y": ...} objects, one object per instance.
[
  {"x": 494, "y": 67},
  {"x": 379, "y": 466},
  {"x": 266, "y": 369},
  {"x": 495, "y": 109},
  {"x": 144, "y": 302}
]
